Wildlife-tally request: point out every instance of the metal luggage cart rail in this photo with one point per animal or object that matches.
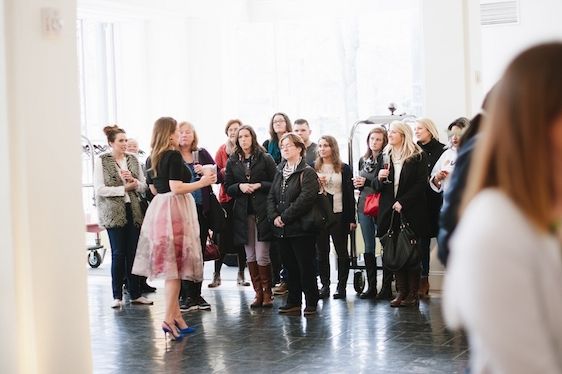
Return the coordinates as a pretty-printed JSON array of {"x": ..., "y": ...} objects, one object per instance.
[{"x": 96, "y": 251}]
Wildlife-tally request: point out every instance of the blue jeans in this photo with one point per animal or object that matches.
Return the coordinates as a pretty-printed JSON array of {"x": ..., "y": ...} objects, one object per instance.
[
  {"x": 368, "y": 229},
  {"x": 123, "y": 241}
]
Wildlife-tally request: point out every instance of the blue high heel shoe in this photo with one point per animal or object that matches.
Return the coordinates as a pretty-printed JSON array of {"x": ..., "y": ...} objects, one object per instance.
[
  {"x": 168, "y": 330},
  {"x": 187, "y": 330}
]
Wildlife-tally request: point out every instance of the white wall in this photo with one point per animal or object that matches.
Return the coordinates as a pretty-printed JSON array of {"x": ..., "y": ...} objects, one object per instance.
[
  {"x": 8, "y": 362},
  {"x": 539, "y": 22},
  {"x": 451, "y": 34},
  {"x": 451, "y": 63},
  {"x": 43, "y": 259}
]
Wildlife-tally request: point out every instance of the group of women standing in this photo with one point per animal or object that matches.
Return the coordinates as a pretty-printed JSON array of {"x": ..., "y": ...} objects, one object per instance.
[{"x": 266, "y": 192}]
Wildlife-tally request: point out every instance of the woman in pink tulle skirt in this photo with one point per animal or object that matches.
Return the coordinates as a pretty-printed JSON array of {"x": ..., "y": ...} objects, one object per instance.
[{"x": 169, "y": 245}]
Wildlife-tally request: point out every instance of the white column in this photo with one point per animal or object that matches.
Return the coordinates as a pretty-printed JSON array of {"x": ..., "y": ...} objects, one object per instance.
[
  {"x": 44, "y": 311},
  {"x": 452, "y": 64},
  {"x": 451, "y": 36}
]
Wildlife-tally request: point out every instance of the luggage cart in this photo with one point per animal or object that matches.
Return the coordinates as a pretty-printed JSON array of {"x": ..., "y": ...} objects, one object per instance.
[
  {"x": 96, "y": 251},
  {"x": 384, "y": 121}
]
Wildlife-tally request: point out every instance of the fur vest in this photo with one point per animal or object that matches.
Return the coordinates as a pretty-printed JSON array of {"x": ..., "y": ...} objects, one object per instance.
[{"x": 111, "y": 209}]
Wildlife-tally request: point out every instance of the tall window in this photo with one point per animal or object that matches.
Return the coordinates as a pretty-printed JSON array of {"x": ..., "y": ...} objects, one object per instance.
[
  {"x": 96, "y": 57},
  {"x": 330, "y": 68}
]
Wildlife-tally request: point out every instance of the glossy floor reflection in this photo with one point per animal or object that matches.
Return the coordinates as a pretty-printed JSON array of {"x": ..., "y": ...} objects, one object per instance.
[{"x": 352, "y": 336}]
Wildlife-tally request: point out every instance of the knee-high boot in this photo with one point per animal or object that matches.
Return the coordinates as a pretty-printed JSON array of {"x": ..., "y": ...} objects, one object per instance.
[
  {"x": 402, "y": 286},
  {"x": 256, "y": 282},
  {"x": 371, "y": 266},
  {"x": 413, "y": 284},
  {"x": 343, "y": 274},
  {"x": 386, "y": 289},
  {"x": 265, "y": 278}
]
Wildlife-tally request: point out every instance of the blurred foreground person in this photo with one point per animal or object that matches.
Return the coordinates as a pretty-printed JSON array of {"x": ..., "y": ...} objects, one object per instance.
[{"x": 505, "y": 266}]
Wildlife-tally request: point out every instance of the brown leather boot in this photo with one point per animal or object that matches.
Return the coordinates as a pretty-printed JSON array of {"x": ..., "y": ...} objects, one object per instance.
[
  {"x": 256, "y": 282},
  {"x": 424, "y": 287},
  {"x": 265, "y": 277},
  {"x": 402, "y": 286},
  {"x": 413, "y": 283}
]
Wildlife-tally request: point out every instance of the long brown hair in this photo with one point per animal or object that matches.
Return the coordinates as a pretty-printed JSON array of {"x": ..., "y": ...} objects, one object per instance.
[
  {"x": 523, "y": 107},
  {"x": 336, "y": 161},
  {"x": 162, "y": 132}
]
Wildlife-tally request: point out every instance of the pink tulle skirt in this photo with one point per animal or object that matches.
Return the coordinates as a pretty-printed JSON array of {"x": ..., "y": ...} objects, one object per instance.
[{"x": 169, "y": 245}]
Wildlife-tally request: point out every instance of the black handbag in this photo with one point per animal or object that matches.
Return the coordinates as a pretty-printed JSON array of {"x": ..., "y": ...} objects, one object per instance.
[
  {"x": 143, "y": 203},
  {"x": 216, "y": 216},
  {"x": 400, "y": 252},
  {"x": 321, "y": 216}
]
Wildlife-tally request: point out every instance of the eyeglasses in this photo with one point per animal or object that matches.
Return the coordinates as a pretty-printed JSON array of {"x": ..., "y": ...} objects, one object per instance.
[
  {"x": 287, "y": 146},
  {"x": 279, "y": 121}
]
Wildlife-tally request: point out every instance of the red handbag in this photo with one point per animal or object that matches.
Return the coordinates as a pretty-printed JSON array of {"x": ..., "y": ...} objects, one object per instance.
[{"x": 371, "y": 207}]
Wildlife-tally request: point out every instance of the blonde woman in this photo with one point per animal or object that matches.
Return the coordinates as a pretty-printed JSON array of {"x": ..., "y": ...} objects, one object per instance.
[
  {"x": 428, "y": 139},
  {"x": 169, "y": 245},
  {"x": 402, "y": 183},
  {"x": 505, "y": 267}
]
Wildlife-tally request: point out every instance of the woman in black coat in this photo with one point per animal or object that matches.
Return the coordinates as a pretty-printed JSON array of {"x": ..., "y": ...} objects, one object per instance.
[
  {"x": 249, "y": 173},
  {"x": 428, "y": 139},
  {"x": 293, "y": 193},
  {"x": 402, "y": 182}
]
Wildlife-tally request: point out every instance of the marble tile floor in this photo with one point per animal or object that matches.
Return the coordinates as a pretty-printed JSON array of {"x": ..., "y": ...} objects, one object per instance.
[{"x": 351, "y": 336}]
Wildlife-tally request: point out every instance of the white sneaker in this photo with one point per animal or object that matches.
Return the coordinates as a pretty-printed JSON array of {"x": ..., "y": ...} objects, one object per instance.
[
  {"x": 116, "y": 304},
  {"x": 142, "y": 301}
]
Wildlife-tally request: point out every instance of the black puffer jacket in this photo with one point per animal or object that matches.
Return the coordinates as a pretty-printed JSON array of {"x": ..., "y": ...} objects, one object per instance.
[
  {"x": 292, "y": 199},
  {"x": 262, "y": 170}
]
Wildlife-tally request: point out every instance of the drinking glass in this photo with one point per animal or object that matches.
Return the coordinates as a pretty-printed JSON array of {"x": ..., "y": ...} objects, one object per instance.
[{"x": 386, "y": 165}]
